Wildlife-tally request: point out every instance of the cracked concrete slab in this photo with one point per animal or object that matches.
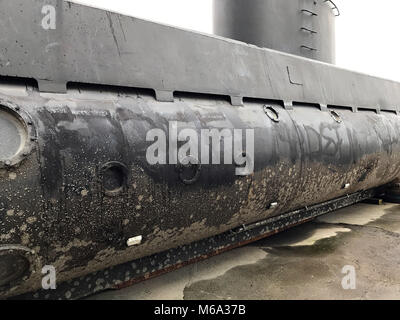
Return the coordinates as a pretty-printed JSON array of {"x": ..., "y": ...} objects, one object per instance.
[
  {"x": 386, "y": 216},
  {"x": 305, "y": 262}
]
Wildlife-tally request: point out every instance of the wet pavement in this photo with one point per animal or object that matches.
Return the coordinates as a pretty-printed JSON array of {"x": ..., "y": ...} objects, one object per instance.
[{"x": 305, "y": 262}]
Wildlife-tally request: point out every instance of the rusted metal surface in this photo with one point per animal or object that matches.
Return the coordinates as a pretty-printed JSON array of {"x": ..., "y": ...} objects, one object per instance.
[{"x": 133, "y": 272}]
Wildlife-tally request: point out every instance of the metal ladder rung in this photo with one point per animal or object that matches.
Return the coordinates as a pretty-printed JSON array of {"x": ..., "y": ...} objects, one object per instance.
[
  {"x": 306, "y": 11},
  {"x": 308, "y": 30},
  {"x": 308, "y": 48}
]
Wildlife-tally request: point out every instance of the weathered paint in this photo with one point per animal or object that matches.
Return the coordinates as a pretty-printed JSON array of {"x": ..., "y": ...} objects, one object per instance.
[
  {"x": 81, "y": 186},
  {"x": 59, "y": 211},
  {"x": 133, "y": 272}
]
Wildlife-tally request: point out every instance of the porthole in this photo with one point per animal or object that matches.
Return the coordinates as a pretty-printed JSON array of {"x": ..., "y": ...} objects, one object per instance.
[
  {"x": 114, "y": 178},
  {"x": 12, "y": 268},
  {"x": 271, "y": 113},
  {"x": 16, "y": 135},
  {"x": 16, "y": 265}
]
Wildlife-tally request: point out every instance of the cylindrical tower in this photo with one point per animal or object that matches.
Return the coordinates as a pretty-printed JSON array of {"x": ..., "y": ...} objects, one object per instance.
[{"x": 301, "y": 27}]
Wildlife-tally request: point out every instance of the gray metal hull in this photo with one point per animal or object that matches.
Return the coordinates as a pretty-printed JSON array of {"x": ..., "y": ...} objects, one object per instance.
[
  {"x": 302, "y": 27},
  {"x": 75, "y": 183}
]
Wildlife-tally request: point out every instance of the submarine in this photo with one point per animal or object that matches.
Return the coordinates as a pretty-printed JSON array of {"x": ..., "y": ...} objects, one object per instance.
[{"x": 102, "y": 179}]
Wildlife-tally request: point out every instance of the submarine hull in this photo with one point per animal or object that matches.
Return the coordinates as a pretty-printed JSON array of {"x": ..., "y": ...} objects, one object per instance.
[
  {"x": 81, "y": 105},
  {"x": 86, "y": 186}
]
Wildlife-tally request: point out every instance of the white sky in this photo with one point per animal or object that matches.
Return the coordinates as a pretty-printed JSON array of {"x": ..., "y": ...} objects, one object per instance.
[{"x": 367, "y": 30}]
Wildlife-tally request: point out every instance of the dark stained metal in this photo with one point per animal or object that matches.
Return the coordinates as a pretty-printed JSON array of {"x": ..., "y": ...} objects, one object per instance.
[
  {"x": 56, "y": 202},
  {"x": 128, "y": 274}
]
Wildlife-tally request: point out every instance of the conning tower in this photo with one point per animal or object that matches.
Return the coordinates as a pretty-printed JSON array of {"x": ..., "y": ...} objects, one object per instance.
[{"x": 301, "y": 27}]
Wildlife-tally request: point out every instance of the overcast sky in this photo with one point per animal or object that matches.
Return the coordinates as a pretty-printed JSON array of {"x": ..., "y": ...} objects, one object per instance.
[{"x": 367, "y": 30}]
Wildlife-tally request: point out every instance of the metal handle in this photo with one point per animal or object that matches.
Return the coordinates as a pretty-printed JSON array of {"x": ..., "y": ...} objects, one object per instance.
[
  {"x": 334, "y": 7},
  {"x": 308, "y": 48}
]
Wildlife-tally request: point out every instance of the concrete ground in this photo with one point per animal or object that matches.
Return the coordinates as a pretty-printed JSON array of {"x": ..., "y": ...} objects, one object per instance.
[{"x": 303, "y": 263}]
